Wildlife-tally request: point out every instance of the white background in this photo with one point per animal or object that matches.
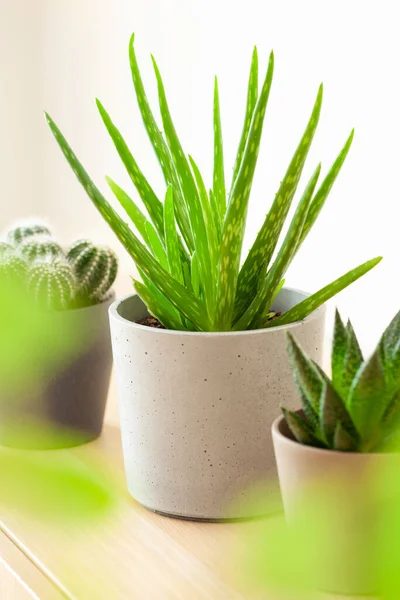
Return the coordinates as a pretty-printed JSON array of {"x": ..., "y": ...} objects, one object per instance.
[{"x": 59, "y": 55}]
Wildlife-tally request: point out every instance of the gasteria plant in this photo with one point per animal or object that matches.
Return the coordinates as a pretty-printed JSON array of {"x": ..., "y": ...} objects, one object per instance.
[
  {"x": 359, "y": 409},
  {"x": 189, "y": 256}
]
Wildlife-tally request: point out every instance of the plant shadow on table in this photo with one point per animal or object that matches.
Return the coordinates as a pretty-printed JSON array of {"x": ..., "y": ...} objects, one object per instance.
[
  {"x": 50, "y": 484},
  {"x": 338, "y": 542}
]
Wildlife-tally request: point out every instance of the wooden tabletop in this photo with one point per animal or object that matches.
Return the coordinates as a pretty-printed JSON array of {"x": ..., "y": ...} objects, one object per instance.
[{"x": 128, "y": 553}]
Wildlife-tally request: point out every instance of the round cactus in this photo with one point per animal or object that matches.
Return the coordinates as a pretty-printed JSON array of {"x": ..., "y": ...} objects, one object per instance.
[
  {"x": 17, "y": 235},
  {"x": 52, "y": 284},
  {"x": 12, "y": 268},
  {"x": 40, "y": 248},
  {"x": 5, "y": 249},
  {"x": 95, "y": 268}
]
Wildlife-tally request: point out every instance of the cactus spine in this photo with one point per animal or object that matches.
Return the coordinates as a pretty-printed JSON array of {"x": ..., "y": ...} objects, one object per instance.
[
  {"x": 52, "y": 284},
  {"x": 17, "y": 235},
  {"x": 95, "y": 268},
  {"x": 12, "y": 268},
  {"x": 5, "y": 249},
  {"x": 38, "y": 248}
]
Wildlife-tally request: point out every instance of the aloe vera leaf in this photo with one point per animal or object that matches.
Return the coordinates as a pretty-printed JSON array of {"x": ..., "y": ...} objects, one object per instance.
[
  {"x": 252, "y": 97},
  {"x": 324, "y": 190},
  {"x": 163, "y": 311},
  {"x": 160, "y": 147},
  {"x": 183, "y": 300},
  {"x": 219, "y": 171},
  {"x": 307, "y": 378},
  {"x": 215, "y": 214},
  {"x": 153, "y": 205},
  {"x": 369, "y": 395},
  {"x": 343, "y": 441},
  {"x": 171, "y": 237},
  {"x": 332, "y": 412},
  {"x": 261, "y": 252},
  {"x": 266, "y": 289},
  {"x": 156, "y": 246},
  {"x": 208, "y": 216},
  {"x": 191, "y": 194},
  {"x": 234, "y": 224},
  {"x": 301, "y": 430},
  {"x": 310, "y": 304},
  {"x": 195, "y": 276},
  {"x": 339, "y": 350},
  {"x": 134, "y": 213}
]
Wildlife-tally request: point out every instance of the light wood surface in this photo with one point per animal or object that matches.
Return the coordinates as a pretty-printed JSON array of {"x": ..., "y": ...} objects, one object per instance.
[{"x": 128, "y": 554}]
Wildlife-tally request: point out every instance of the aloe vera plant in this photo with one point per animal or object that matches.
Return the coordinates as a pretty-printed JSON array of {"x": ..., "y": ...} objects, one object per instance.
[
  {"x": 188, "y": 248},
  {"x": 359, "y": 408}
]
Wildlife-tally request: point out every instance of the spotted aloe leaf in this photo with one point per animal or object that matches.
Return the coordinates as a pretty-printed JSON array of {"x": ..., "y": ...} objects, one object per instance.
[
  {"x": 160, "y": 147},
  {"x": 233, "y": 230},
  {"x": 186, "y": 303},
  {"x": 132, "y": 210},
  {"x": 263, "y": 299},
  {"x": 252, "y": 97},
  {"x": 156, "y": 246},
  {"x": 171, "y": 238},
  {"x": 219, "y": 171},
  {"x": 310, "y": 304},
  {"x": 264, "y": 246},
  {"x": 152, "y": 203},
  {"x": 158, "y": 305},
  {"x": 192, "y": 197}
]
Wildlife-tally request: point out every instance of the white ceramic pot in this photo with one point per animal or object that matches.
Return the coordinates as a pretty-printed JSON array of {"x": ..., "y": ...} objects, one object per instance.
[
  {"x": 196, "y": 408},
  {"x": 347, "y": 503}
]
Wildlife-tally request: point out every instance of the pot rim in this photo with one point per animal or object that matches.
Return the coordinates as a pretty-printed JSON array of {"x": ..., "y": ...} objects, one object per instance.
[
  {"x": 114, "y": 314},
  {"x": 278, "y": 435}
]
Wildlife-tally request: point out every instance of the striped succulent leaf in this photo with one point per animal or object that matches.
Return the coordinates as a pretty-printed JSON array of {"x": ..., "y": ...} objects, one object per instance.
[
  {"x": 260, "y": 255},
  {"x": 186, "y": 303},
  {"x": 219, "y": 171},
  {"x": 233, "y": 230}
]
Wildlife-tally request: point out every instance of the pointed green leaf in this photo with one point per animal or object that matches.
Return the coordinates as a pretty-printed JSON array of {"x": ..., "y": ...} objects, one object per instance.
[
  {"x": 301, "y": 430},
  {"x": 134, "y": 213},
  {"x": 153, "y": 205},
  {"x": 171, "y": 237},
  {"x": 324, "y": 190},
  {"x": 274, "y": 296},
  {"x": 219, "y": 171},
  {"x": 195, "y": 276},
  {"x": 254, "y": 314},
  {"x": 156, "y": 246},
  {"x": 391, "y": 336},
  {"x": 186, "y": 303},
  {"x": 368, "y": 397},
  {"x": 310, "y": 304},
  {"x": 216, "y": 218},
  {"x": 391, "y": 416},
  {"x": 307, "y": 378},
  {"x": 252, "y": 97},
  {"x": 191, "y": 195},
  {"x": 352, "y": 362},
  {"x": 343, "y": 441},
  {"x": 160, "y": 147},
  {"x": 332, "y": 412},
  {"x": 233, "y": 230},
  {"x": 339, "y": 350},
  {"x": 310, "y": 413},
  {"x": 158, "y": 306}
]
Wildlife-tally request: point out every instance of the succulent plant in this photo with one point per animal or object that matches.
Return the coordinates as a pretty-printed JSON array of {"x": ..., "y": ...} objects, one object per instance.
[
  {"x": 359, "y": 408},
  {"x": 35, "y": 247},
  {"x": 95, "y": 268},
  {"x": 18, "y": 234},
  {"x": 189, "y": 256},
  {"x": 52, "y": 284},
  {"x": 5, "y": 249},
  {"x": 12, "y": 268}
]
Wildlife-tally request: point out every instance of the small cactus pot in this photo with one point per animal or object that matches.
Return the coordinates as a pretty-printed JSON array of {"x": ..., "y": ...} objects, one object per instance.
[
  {"x": 196, "y": 409},
  {"x": 68, "y": 409},
  {"x": 343, "y": 498}
]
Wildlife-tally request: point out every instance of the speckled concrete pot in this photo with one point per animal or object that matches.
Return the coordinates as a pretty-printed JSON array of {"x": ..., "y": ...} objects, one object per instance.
[
  {"x": 344, "y": 495},
  {"x": 196, "y": 409},
  {"x": 68, "y": 409}
]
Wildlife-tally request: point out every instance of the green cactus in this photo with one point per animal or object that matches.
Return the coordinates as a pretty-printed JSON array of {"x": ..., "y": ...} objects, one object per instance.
[
  {"x": 95, "y": 269},
  {"x": 36, "y": 247},
  {"x": 5, "y": 249},
  {"x": 52, "y": 284},
  {"x": 17, "y": 235},
  {"x": 12, "y": 268},
  {"x": 358, "y": 409}
]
